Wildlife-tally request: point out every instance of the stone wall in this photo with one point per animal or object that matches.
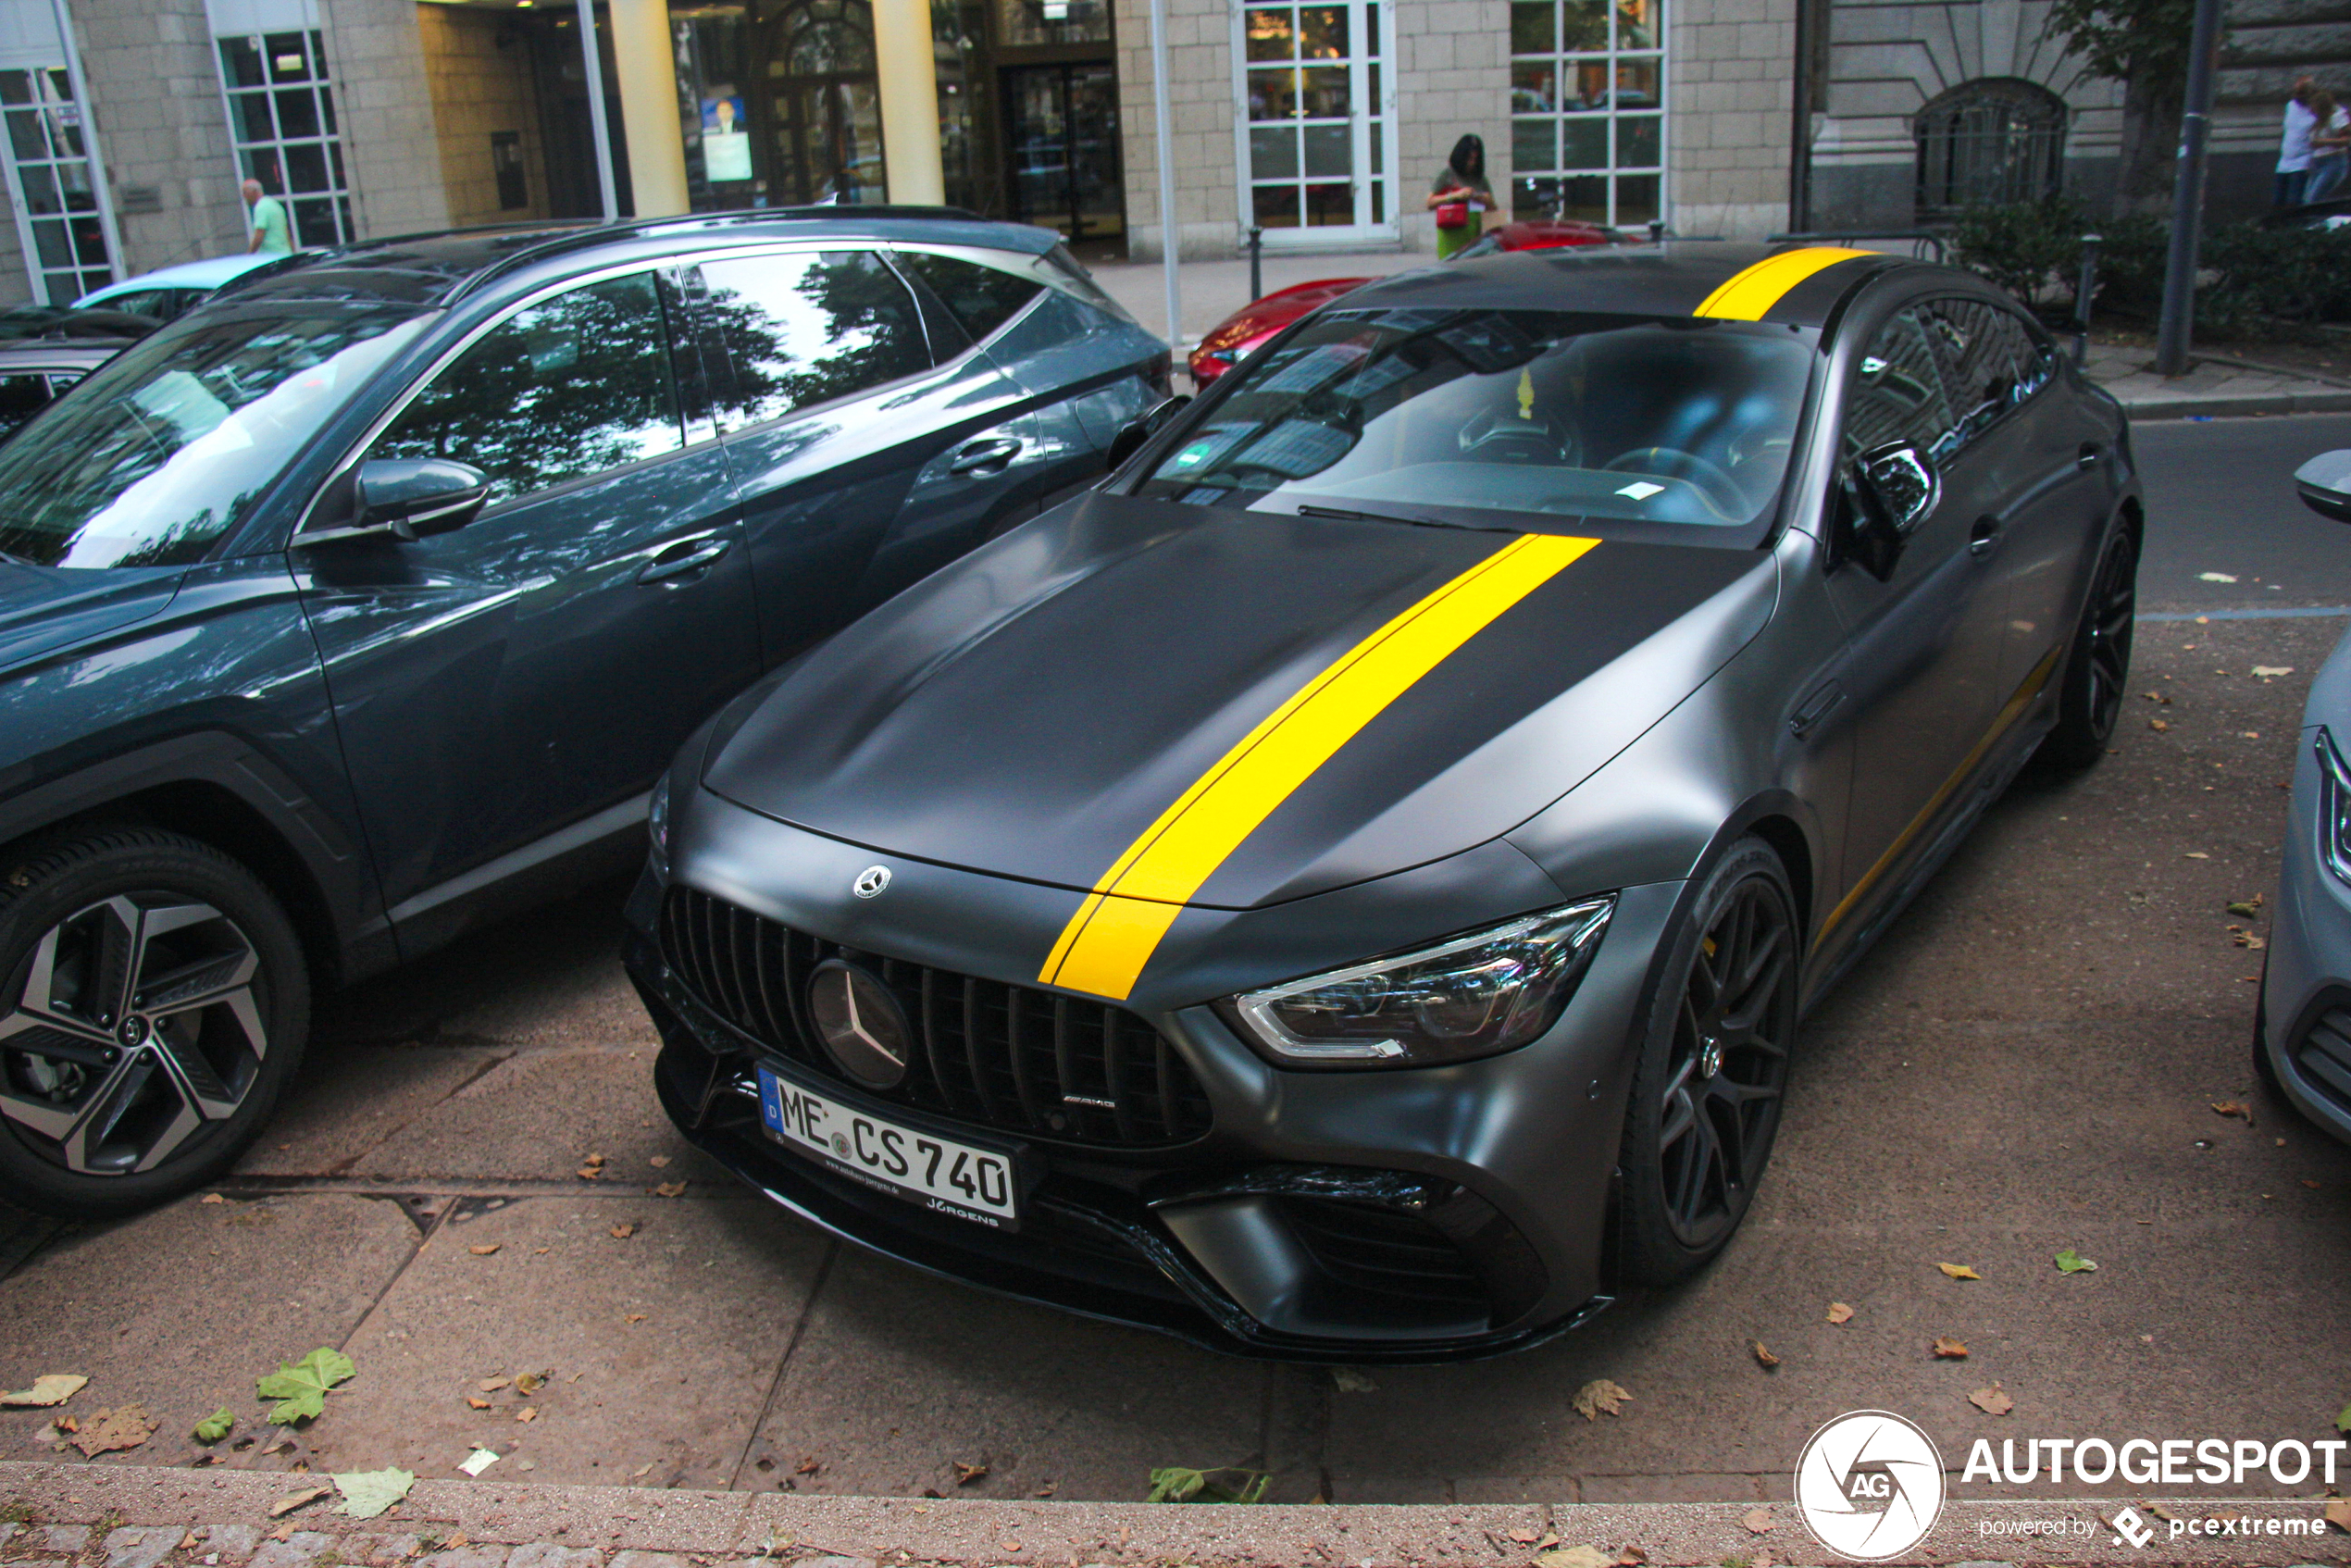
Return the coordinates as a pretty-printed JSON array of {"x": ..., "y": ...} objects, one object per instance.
[
  {"x": 383, "y": 99},
  {"x": 1200, "y": 66},
  {"x": 480, "y": 67},
  {"x": 155, "y": 80},
  {"x": 1731, "y": 86},
  {"x": 1452, "y": 63}
]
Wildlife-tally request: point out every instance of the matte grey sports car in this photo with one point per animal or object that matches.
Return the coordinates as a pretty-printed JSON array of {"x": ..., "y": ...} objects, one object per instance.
[{"x": 1347, "y": 887}]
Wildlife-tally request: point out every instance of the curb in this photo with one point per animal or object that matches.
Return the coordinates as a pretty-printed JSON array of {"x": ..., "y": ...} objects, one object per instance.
[
  {"x": 156, "y": 1516},
  {"x": 2163, "y": 407}
]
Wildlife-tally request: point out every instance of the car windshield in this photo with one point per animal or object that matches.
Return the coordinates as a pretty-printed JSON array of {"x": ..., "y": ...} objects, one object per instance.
[
  {"x": 153, "y": 458},
  {"x": 1452, "y": 413}
]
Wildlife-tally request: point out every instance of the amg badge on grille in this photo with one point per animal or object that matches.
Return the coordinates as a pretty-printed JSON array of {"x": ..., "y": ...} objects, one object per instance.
[{"x": 871, "y": 881}]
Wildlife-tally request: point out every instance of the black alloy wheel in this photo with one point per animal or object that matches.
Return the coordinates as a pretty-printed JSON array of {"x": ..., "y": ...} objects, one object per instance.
[
  {"x": 152, "y": 1005},
  {"x": 1713, "y": 1070},
  {"x": 2098, "y": 666}
]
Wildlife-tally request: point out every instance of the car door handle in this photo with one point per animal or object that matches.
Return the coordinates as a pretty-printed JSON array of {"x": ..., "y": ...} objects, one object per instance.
[
  {"x": 1816, "y": 707},
  {"x": 992, "y": 456},
  {"x": 1984, "y": 538},
  {"x": 2092, "y": 454},
  {"x": 683, "y": 559}
]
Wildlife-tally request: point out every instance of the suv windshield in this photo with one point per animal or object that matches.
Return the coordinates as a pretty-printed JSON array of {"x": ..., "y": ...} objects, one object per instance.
[
  {"x": 156, "y": 455},
  {"x": 1648, "y": 420}
]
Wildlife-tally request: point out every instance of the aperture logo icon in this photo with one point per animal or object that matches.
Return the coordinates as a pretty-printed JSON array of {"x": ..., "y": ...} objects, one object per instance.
[{"x": 1870, "y": 1486}]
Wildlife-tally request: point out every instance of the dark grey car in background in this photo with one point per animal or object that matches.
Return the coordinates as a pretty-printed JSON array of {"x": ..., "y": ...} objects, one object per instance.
[{"x": 366, "y": 602}]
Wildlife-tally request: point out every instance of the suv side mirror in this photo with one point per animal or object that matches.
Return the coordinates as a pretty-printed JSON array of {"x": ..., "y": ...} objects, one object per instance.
[
  {"x": 1130, "y": 440},
  {"x": 408, "y": 498},
  {"x": 2324, "y": 484}
]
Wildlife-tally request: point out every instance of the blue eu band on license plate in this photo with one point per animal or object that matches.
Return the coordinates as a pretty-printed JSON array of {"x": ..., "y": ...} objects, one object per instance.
[{"x": 943, "y": 1174}]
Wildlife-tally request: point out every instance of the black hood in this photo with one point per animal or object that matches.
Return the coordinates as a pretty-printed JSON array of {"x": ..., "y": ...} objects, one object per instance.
[{"x": 1033, "y": 709}]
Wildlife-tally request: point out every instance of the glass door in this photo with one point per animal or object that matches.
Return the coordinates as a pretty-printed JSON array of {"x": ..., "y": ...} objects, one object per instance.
[
  {"x": 1317, "y": 126},
  {"x": 1062, "y": 139},
  {"x": 49, "y": 186}
]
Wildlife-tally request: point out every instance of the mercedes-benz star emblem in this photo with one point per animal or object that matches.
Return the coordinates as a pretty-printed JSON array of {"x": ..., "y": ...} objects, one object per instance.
[
  {"x": 862, "y": 1026},
  {"x": 870, "y": 881}
]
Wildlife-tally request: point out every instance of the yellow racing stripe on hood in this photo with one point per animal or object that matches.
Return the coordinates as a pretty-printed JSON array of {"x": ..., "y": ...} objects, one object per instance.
[
  {"x": 1106, "y": 943},
  {"x": 1748, "y": 293}
]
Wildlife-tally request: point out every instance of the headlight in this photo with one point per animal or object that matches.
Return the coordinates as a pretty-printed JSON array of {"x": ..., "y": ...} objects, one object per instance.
[
  {"x": 1477, "y": 995},
  {"x": 2335, "y": 808},
  {"x": 657, "y": 826}
]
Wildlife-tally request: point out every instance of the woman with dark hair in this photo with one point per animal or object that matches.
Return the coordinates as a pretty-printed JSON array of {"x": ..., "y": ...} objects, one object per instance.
[{"x": 1459, "y": 195}]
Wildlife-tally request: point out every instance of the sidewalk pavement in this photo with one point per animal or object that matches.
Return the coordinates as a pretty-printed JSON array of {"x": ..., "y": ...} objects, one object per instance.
[
  {"x": 2215, "y": 385},
  {"x": 150, "y": 1517}
]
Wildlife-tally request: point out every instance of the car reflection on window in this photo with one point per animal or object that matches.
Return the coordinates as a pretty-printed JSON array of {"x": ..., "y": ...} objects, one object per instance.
[{"x": 806, "y": 329}]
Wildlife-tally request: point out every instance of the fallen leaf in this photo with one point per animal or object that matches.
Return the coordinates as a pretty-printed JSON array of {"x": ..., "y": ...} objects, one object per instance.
[
  {"x": 1958, "y": 1271},
  {"x": 1763, "y": 1357},
  {"x": 367, "y": 1493},
  {"x": 623, "y": 1231},
  {"x": 590, "y": 1173},
  {"x": 475, "y": 1464},
  {"x": 491, "y": 1385},
  {"x": 810, "y": 1467},
  {"x": 214, "y": 1427},
  {"x": 2214, "y": 577},
  {"x": 2236, "y": 1108},
  {"x": 1599, "y": 1397},
  {"x": 483, "y": 1251},
  {"x": 1840, "y": 1312},
  {"x": 528, "y": 1412},
  {"x": 2271, "y": 672},
  {"x": 1631, "y": 1557},
  {"x": 530, "y": 1383},
  {"x": 968, "y": 1474},
  {"x": 111, "y": 1431},
  {"x": 49, "y": 1388},
  {"x": 1523, "y": 1537},
  {"x": 670, "y": 1189},
  {"x": 299, "y": 1388},
  {"x": 2308, "y": 1183},
  {"x": 476, "y": 1403},
  {"x": 2339, "y": 1515},
  {"x": 1575, "y": 1556},
  {"x": 1758, "y": 1520},
  {"x": 1948, "y": 1349},
  {"x": 1992, "y": 1402},
  {"x": 634, "y": 1317},
  {"x": 2196, "y": 855},
  {"x": 2158, "y": 726},
  {"x": 65, "y": 1423},
  {"x": 2343, "y": 1422},
  {"x": 302, "y": 1499},
  {"x": 2159, "y": 1511},
  {"x": 2071, "y": 1262},
  {"x": 212, "y": 1197},
  {"x": 541, "y": 1252},
  {"x": 1347, "y": 1380},
  {"x": 593, "y": 1159},
  {"x": 2247, "y": 907}
]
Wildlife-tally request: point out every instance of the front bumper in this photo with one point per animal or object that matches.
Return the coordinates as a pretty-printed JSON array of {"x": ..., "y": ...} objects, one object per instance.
[
  {"x": 1420, "y": 1215},
  {"x": 2306, "y": 986}
]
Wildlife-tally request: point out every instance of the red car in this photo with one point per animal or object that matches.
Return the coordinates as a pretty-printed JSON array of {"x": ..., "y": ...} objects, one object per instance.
[{"x": 1234, "y": 337}]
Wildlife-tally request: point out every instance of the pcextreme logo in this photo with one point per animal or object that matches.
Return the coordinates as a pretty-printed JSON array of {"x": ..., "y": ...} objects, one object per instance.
[{"x": 1870, "y": 1486}]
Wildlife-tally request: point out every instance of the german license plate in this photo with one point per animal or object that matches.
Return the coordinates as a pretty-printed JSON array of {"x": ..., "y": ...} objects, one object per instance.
[{"x": 943, "y": 1174}]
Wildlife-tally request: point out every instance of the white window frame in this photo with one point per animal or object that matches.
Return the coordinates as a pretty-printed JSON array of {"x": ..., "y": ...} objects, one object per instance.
[
  {"x": 1306, "y": 237},
  {"x": 323, "y": 84},
  {"x": 1563, "y": 63}
]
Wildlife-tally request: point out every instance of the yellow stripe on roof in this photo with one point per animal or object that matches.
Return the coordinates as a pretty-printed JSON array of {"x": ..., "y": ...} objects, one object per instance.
[
  {"x": 1114, "y": 932},
  {"x": 1748, "y": 293}
]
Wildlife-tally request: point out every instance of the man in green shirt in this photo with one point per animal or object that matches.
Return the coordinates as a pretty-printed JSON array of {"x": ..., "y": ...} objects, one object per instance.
[{"x": 268, "y": 220}]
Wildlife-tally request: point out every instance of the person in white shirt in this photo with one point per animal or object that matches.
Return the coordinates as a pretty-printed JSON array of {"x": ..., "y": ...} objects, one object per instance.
[
  {"x": 2294, "y": 146},
  {"x": 2330, "y": 147}
]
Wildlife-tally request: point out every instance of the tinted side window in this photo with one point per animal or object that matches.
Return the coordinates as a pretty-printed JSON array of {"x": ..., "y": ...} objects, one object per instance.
[
  {"x": 806, "y": 329},
  {"x": 21, "y": 398},
  {"x": 1980, "y": 360},
  {"x": 981, "y": 298},
  {"x": 568, "y": 388},
  {"x": 1899, "y": 394}
]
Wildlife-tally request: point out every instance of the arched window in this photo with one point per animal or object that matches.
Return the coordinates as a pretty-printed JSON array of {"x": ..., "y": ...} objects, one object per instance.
[{"x": 1989, "y": 142}]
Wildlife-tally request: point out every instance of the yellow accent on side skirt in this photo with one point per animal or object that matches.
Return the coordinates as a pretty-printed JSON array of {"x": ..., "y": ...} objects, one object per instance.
[
  {"x": 1748, "y": 293},
  {"x": 1106, "y": 943},
  {"x": 2010, "y": 712}
]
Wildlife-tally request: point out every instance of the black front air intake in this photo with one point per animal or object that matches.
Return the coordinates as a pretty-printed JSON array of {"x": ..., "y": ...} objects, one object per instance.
[
  {"x": 1033, "y": 1062},
  {"x": 2323, "y": 1054}
]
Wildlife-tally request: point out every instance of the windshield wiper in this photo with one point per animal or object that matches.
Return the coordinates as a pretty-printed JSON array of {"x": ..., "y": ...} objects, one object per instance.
[{"x": 1348, "y": 515}]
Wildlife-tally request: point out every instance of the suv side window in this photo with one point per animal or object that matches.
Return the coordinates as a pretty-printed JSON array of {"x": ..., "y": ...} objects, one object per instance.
[
  {"x": 981, "y": 298},
  {"x": 1899, "y": 393},
  {"x": 807, "y": 328},
  {"x": 560, "y": 390}
]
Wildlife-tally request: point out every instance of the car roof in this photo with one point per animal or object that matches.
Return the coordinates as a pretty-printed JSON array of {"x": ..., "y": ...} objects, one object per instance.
[
  {"x": 1798, "y": 285},
  {"x": 441, "y": 267},
  {"x": 209, "y": 273}
]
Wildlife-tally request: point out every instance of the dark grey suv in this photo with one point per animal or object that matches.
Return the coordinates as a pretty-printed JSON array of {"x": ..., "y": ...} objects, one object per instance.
[{"x": 365, "y": 602}]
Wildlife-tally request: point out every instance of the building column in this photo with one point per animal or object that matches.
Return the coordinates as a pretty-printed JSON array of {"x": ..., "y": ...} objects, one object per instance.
[
  {"x": 907, "y": 67},
  {"x": 645, "y": 59}
]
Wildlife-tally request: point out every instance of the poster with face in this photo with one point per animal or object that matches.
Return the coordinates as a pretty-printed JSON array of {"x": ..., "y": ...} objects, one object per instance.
[{"x": 726, "y": 144}]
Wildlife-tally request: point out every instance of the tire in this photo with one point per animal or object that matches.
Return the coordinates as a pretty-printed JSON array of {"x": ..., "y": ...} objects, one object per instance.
[
  {"x": 2098, "y": 666},
  {"x": 154, "y": 1002},
  {"x": 1698, "y": 1132}
]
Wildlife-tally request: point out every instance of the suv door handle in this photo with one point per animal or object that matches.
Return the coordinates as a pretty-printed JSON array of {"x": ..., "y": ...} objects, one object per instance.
[
  {"x": 684, "y": 558},
  {"x": 990, "y": 456},
  {"x": 1984, "y": 538}
]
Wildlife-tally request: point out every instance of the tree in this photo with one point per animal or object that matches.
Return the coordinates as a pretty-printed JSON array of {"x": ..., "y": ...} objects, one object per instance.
[{"x": 2143, "y": 45}]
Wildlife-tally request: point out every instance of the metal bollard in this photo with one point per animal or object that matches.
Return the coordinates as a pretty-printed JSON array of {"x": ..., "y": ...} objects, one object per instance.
[
  {"x": 1256, "y": 264},
  {"x": 1657, "y": 230},
  {"x": 2083, "y": 289}
]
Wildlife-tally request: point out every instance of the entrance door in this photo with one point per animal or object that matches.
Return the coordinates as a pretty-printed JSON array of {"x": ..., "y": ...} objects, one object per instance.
[
  {"x": 49, "y": 186},
  {"x": 1062, "y": 139},
  {"x": 1317, "y": 133}
]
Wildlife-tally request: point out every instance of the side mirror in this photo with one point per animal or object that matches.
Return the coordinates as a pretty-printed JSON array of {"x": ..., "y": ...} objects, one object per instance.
[
  {"x": 1130, "y": 440},
  {"x": 1899, "y": 486},
  {"x": 408, "y": 498},
  {"x": 2324, "y": 484}
]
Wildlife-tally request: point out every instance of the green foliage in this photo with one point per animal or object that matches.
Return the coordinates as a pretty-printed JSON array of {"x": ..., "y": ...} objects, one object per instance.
[
  {"x": 2141, "y": 41},
  {"x": 214, "y": 1427},
  {"x": 2028, "y": 248},
  {"x": 20, "y": 1512},
  {"x": 299, "y": 1388},
  {"x": 1228, "y": 1484}
]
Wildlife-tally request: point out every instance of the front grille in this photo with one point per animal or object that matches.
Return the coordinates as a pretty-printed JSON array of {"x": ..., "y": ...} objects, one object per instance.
[
  {"x": 1383, "y": 1253},
  {"x": 2324, "y": 1056},
  {"x": 998, "y": 1054}
]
